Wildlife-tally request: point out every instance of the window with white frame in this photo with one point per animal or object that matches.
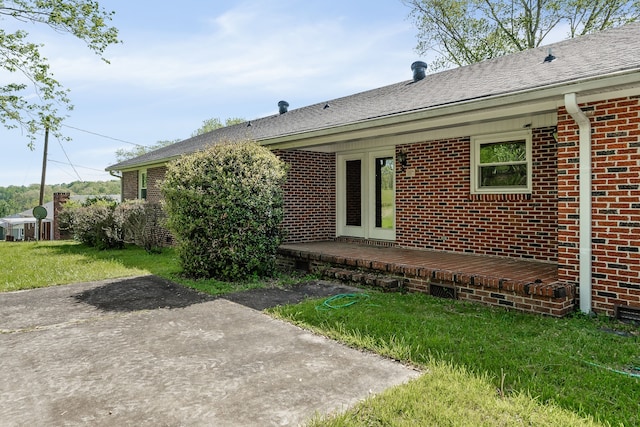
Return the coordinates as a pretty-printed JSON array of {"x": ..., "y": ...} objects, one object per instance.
[
  {"x": 143, "y": 184},
  {"x": 501, "y": 163}
]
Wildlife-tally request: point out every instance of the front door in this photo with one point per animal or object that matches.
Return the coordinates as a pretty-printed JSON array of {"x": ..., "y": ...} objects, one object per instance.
[{"x": 366, "y": 195}]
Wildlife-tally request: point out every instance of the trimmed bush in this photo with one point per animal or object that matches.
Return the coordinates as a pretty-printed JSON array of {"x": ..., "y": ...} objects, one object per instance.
[
  {"x": 105, "y": 224},
  {"x": 141, "y": 223},
  {"x": 225, "y": 209},
  {"x": 92, "y": 223}
]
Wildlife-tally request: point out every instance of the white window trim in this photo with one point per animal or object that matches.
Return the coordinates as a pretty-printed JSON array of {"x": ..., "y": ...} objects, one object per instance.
[
  {"x": 143, "y": 172},
  {"x": 477, "y": 141}
]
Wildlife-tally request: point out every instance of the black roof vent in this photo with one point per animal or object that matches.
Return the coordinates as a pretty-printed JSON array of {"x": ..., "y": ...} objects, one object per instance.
[
  {"x": 283, "y": 107},
  {"x": 549, "y": 57},
  {"x": 419, "y": 69}
]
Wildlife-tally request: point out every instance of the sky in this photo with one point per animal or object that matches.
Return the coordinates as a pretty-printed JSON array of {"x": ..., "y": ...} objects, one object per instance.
[{"x": 181, "y": 63}]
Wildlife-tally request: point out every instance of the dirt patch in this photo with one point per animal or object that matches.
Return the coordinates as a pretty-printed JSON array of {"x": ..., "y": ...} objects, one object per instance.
[
  {"x": 141, "y": 293},
  {"x": 152, "y": 292},
  {"x": 261, "y": 299}
]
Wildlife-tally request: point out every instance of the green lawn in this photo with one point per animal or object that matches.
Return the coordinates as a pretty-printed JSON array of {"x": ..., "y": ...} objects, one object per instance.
[
  {"x": 483, "y": 366},
  {"x": 27, "y": 265},
  {"x": 577, "y": 364}
]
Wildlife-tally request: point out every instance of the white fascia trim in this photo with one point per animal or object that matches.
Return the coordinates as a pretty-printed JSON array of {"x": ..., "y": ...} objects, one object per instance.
[{"x": 148, "y": 165}]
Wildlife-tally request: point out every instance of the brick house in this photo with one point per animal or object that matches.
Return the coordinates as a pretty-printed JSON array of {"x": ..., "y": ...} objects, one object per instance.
[{"x": 484, "y": 159}]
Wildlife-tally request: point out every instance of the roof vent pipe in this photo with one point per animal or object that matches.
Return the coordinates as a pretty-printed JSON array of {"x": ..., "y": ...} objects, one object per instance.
[
  {"x": 419, "y": 69},
  {"x": 283, "y": 107}
]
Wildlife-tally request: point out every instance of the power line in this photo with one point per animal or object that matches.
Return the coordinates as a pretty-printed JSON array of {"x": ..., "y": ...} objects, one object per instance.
[
  {"x": 105, "y": 136},
  {"x": 69, "y": 160},
  {"x": 69, "y": 164}
]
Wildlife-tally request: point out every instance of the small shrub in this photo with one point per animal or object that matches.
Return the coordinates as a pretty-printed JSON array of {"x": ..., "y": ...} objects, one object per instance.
[
  {"x": 141, "y": 223},
  {"x": 92, "y": 223},
  {"x": 225, "y": 208}
]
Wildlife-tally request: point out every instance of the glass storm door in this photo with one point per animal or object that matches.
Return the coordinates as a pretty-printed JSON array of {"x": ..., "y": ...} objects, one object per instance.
[{"x": 366, "y": 195}]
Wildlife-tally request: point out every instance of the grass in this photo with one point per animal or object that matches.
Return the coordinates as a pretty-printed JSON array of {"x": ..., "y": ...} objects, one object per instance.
[
  {"x": 28, "y": 265},
  {"x": 567, "y": 365}
]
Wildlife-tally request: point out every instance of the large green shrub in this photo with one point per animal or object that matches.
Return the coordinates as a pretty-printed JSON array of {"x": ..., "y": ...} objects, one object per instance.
[{"x": 225, "y": 209}]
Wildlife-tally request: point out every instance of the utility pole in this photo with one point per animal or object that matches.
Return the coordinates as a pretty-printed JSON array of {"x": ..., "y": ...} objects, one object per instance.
[{"x": 42, "y": 180}]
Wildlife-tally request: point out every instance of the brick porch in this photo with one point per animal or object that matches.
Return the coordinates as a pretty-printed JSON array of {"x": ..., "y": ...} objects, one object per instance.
[{"x": 506, "y": 282}]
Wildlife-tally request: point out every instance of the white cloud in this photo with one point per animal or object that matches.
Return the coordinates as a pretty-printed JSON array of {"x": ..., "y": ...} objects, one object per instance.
[{"x": 249, "y": 48}]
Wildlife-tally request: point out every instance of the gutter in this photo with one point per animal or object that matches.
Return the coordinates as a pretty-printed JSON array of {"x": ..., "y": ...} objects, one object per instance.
[
  {"x": 585, "y": 266},
  {"x": 114, "y": 174}
]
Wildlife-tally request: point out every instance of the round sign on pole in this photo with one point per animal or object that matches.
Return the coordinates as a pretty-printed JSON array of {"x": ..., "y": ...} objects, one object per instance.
[{"x": 40, "y": 212}]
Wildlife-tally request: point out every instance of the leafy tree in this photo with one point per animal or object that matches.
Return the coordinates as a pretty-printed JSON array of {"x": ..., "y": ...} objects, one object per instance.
[
  {"x": 215, "y": 123},
  {"x": 469, "y": 31},
  {"x": 123, "y": 154},
  {"x": 33, "y": 99},
  {"x": 224, "y": 206},
  {"x": 14, "y": 199},
  {"x": 207, "y": 126}
]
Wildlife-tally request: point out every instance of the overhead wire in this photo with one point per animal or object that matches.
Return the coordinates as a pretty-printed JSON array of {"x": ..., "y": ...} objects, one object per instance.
[
  {"x": 78, "y": 166},
  {"x": 69, "y": 160},
  {"x": 104, "y": 136}
]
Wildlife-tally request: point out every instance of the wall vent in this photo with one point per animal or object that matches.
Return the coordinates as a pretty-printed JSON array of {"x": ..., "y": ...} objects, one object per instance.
[
  {"x": 302, "y": 265},
  {"x": 442, "y": 291},
  {"x": 627, "y": 314}
]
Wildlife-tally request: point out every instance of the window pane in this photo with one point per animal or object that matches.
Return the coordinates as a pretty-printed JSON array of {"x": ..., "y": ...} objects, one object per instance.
[
  {"x": 503, "y": 152},
  {"x": 384, "y": 192},
  {"x": 504, "y": 176},
  {"x": 354, "y": 193}
]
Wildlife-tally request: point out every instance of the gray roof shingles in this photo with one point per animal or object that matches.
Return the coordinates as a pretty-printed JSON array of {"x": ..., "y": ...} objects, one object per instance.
[{"x": 600, "y": 54}]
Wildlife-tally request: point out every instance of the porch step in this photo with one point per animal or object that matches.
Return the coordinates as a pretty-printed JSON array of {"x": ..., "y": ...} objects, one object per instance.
[{"x": 382, "y": 282}]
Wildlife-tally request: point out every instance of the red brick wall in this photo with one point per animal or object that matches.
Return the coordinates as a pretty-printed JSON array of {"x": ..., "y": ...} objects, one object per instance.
[
  {"x": 130, "y": 185},
  {"x": 154, "y": 176},
  {"x": 615, "y": 201},
  {"x": 435, "y": 209},
  {"x": 59, "y": 199},
  {"x": 309, "y": 195}
]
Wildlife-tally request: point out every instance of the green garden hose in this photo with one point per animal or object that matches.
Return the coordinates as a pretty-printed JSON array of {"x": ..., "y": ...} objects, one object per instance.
[{"x": 341, "y": 301}]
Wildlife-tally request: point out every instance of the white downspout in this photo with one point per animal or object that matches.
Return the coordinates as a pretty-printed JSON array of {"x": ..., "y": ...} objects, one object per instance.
[{"x": 571, "y": 104}]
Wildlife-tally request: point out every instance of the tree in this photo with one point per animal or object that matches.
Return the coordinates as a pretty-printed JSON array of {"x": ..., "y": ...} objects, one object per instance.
[
  {"x": 207, "y": 126},
  {"x": 33, "y": 100},
  {"x": 215, "y": 123},
  {"x": 225, "y": 206},
  {"x": 123, "y": 154},
  {"x": 468, "y": 31}
]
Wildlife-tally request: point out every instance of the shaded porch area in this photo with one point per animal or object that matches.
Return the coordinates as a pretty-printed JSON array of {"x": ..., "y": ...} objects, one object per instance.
[{"x": 506, "y": 282}]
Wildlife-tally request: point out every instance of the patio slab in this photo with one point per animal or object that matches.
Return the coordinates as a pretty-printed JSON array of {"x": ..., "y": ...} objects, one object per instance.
[{"x": 65, "y": 361}]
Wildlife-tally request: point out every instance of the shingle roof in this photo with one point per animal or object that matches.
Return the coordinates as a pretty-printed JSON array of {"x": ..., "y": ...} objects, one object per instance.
[{"x": 597, "y": 55}]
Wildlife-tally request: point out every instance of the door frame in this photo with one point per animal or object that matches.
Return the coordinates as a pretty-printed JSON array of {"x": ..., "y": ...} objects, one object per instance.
[{"x": 367, "y": 229}]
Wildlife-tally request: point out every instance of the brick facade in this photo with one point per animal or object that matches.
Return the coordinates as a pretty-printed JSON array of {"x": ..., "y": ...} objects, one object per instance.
[
  {"x": 154, "y": 176},
  {"x": 615, "y": 201},
  {"x": 130, "y": 185},
  {"x": 436, "y": 210},
  {"x": 309, "y": 195}
]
